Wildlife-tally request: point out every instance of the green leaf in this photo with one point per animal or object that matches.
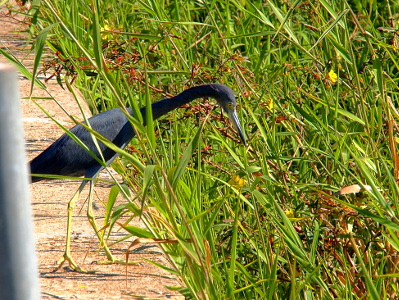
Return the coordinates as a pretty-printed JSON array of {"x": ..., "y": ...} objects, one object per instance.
[
  {"x": 138, "y": 232},
  {"x": 39, "y": 48}
]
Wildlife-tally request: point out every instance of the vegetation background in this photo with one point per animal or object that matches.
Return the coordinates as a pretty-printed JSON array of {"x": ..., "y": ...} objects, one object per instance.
[{"x": 317, "y": 88}]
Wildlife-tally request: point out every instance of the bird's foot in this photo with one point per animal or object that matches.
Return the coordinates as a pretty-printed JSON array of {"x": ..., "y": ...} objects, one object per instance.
[
  {"x": 72, "y": 264},
  {"x": 117, "y": 261},
  {"x": 112, "y": 260}
]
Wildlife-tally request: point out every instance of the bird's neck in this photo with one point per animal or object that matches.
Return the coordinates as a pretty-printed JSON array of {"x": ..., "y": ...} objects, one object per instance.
[{"x": 164, "y": 106}]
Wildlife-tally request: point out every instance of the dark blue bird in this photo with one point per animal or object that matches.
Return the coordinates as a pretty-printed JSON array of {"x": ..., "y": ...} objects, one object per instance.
[{"x": 67, "y": 158}]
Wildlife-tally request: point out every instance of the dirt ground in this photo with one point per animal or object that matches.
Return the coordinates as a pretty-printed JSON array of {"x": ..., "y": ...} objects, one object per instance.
[{"x": 49, "y": 205}]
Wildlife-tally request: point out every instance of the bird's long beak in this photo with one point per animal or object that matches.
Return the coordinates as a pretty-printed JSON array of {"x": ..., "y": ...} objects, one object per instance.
[{"x": 236, "y": 123}]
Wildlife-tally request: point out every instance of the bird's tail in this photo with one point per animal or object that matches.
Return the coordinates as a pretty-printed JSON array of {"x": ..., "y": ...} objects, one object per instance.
[
  {"x": 34, "y": 179},
  {"x": 33, "y": 170}
]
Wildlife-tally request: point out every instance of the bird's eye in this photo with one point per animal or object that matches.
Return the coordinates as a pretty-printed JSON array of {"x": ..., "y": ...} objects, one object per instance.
[{"x": 230, "y": 105}]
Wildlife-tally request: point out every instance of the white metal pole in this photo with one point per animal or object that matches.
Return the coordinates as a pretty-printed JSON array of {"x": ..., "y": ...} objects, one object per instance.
[{"x": 18, "y": 264}]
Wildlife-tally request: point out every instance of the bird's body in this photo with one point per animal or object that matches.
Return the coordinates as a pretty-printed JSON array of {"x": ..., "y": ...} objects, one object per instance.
[{"x": 65, "y": 157}]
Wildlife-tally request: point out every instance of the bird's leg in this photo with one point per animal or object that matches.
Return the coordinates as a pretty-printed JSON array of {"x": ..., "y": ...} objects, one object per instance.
[
  {"x": 67, "y": 255},
  {"x": 93, "y": 223},
  {"x": 90, "y": 215}
]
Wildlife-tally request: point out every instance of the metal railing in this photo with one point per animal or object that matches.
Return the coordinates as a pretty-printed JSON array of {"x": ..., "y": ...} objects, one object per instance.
[{"x": 18, "y": 263}]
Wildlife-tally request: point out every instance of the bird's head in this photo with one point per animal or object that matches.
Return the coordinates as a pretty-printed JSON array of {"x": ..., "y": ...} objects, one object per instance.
[{"x": 227, "y": 100}]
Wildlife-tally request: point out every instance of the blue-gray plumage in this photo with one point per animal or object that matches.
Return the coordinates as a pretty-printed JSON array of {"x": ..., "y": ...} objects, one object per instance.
[{"x": 65, "y": 157}]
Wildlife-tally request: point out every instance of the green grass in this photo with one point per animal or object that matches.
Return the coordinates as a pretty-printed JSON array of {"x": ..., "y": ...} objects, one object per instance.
[{"x": 317, "y": 90}]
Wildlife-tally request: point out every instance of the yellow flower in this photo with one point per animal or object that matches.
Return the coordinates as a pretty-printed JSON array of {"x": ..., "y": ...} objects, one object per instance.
[
  {"x": 271, "y": 104},
  {"x": 290, "y": 213},
  {"x": 105, "y": 32},
  {"x": 333, "y": 76},
  {"x": 237, "y": 182}
]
